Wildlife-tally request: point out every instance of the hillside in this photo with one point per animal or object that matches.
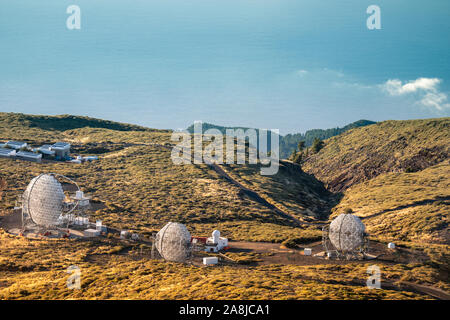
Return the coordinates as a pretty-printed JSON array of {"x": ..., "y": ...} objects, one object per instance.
[
  {"x": 135, "y": 186},
  {"x": 394, "y": 174},
  {"x": 289, "y": 142},
  {"x": 63, "y": 122},
  {"x": 404, "y": 206},
  {"x": 363, "y": 153},
  {"x": 141, "y": 189}
]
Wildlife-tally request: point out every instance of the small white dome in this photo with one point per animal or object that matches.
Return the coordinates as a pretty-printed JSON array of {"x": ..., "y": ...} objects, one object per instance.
[
  {"x": 216, "y": 236},
  {"x": 347, "y": 232}
]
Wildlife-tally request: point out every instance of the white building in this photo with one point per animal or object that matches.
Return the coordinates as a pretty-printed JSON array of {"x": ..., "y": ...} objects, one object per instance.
[
  {"x": 7, "y": 153},
  {"x": 82, "y": 200},
  {"x": 31, "y": 156},
  {"x": 208, "y": 261},
  {"x": 16, "y": 145},
  {"x": 62, "y": 150},
  {"x": 215, "y": 243},
  {"x": 46, "y": 149},
  {"x": 91, "y": 233}
]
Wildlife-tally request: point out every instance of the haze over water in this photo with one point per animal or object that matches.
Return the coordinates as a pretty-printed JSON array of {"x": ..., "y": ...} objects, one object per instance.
[{"x": 285, "y": 64}]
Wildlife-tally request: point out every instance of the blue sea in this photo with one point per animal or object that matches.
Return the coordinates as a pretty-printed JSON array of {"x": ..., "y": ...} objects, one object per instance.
[{"x": 284, "y": 64}]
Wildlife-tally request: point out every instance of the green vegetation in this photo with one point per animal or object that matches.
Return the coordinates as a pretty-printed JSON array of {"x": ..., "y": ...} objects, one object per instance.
[
  {"x": 297, "y": 154},
  {"x": 317, "y": 145},
  {"x": 289, "y": 142}
]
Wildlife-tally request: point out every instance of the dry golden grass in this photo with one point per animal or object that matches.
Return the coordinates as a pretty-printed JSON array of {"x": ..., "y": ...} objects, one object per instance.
[
  {"x": 36, "y": 269},
  {"x": 389, "y": 146},
  {"x": 404, "y": 206},
  {"x": 142, "y": 190}
]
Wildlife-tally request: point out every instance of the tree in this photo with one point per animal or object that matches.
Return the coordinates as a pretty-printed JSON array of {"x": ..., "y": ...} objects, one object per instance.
[
  {"x": 298, "y": 157},
  {"x": 293, "y": 154},
  {"x": 317, "y": 145},
  {"x": 301, "y": 145}
]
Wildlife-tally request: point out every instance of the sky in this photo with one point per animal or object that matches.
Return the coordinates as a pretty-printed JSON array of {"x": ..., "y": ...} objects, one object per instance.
[{"x": 291, "y": 65}]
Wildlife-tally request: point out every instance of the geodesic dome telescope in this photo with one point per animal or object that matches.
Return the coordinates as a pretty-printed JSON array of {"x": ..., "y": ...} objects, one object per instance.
[
  {"x": 173, "y": 242},
  {"x": 345, "y": 237},
  {"x": 43, "y": 201}
]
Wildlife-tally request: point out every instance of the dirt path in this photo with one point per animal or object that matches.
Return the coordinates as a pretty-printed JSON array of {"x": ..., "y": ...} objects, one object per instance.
[
  {"x": 250, "y": 193},
  {"x": 272, "y": 253},
  {"x": 423, "y": 289},
  {"x": 255, "y": 196}
]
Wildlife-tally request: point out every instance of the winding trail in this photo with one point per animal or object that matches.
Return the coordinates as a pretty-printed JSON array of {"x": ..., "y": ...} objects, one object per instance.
[
  {"x": 255, "y": 196},
  {"x": 250, "y": 193}
]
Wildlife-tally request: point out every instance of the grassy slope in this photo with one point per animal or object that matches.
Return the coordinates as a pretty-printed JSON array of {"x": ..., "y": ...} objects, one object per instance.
[
  {"x": 390, "y": 146},
  {"x": 141, "y": 187},
  {"x": 142, "y": 190},
  {"x": 34, "y": 269},
  {"x": 291, "y": 190},
  {"x": 289, "y": 142},
  {"x": 404, "y": 206},
  {"x": 372, "y": 166}
]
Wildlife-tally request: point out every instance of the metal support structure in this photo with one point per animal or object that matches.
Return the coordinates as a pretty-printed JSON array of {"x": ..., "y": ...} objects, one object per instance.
[{"x": 65, "y": 209}]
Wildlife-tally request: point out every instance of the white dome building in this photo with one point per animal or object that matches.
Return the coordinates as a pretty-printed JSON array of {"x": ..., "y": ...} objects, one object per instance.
[
  {"x": 215, "y": 243},
  {"x": 43, "y": 200},
  {"x": 347, "y": 233},
  {"x": 216, "y": 236},
  {"x": 173, "y": 242}
]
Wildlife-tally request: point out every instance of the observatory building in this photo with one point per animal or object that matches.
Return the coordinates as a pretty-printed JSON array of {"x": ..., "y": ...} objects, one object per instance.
[
  {"x": 16, "y": 145},
  {"x": 215, "y": 243},
  {"x": 173, "y": 242},
  {"x": 30, "y": 156},
  {"x": 62, "y": 150},
  {"x": 83, "y": 201},
  {"x": 46, "y": 150},
  {"x": 346, "y": 237},
  {"x": 7, "y": 153},
  {"x": 45, "y": 205}
]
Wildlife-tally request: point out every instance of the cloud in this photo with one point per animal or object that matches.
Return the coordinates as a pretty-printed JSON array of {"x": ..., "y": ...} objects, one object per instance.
[
  {"x": 395, "y": 86},
  {"x": 302, "y": 72},
  {"x": 425, "y": 89},
  {"x": 436, "y": 100}
]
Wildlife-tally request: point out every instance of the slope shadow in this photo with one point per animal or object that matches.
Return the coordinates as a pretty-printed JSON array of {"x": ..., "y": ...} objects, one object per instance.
[{"x": 411, "y": 205}]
